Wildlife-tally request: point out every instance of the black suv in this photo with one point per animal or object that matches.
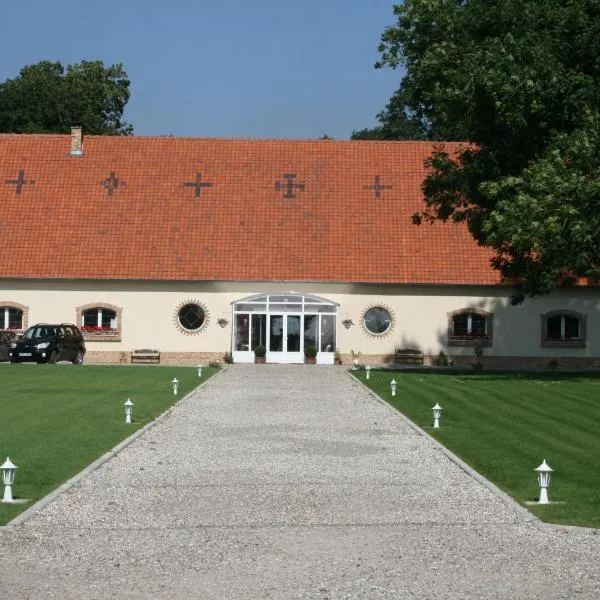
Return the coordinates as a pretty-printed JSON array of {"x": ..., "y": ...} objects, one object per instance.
[{"x": 44, "y": 343}]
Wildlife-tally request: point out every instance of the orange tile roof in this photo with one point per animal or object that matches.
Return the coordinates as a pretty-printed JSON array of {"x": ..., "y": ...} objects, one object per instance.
[{"x": 67, "y": 217}]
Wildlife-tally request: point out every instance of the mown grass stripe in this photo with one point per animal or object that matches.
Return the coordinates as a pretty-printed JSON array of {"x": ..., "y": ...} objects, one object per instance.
[{"x": 504, "y": 425}]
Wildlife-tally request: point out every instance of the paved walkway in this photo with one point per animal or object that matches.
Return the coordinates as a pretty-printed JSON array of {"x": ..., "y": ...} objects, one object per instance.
[{"x": 288, "y": 482}]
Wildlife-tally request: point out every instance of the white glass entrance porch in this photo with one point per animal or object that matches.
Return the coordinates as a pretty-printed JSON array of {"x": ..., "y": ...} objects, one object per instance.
[{"x": 284, "y": 324}]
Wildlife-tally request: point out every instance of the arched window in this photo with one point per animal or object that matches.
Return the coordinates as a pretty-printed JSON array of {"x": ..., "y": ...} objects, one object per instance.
[
  {"x": 100, "y": 322},
  {"x": 13, "y": 316},
  {"x": 470, "y": 327},
  {"x": 563, "y": 328}
]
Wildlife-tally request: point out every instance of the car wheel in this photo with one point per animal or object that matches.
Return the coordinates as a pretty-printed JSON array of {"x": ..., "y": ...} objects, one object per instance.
[
  {"x": 78, "y": 360},
  {"x": 52, "y": 358}
]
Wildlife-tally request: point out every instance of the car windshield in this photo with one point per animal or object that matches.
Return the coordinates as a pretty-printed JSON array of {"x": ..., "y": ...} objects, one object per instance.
[{"x": 39, "y": 331}]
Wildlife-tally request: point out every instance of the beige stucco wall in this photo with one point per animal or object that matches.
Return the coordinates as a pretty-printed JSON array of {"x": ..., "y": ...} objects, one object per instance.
[{"x": 420, "y": 313}]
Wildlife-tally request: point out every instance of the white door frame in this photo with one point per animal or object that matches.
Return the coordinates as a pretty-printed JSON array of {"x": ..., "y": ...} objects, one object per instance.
[{"x": 282, "y": 304}]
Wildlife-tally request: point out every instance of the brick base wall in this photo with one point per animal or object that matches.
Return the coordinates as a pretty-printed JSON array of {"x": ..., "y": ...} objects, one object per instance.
[
  {"x": 531, "y": 362},
  {"x": 166, "y": 358},
  {"x": 464, "y": 362}
]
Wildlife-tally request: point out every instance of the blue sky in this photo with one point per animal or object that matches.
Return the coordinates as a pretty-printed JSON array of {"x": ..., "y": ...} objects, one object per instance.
[{"x": 220, "y": 68}]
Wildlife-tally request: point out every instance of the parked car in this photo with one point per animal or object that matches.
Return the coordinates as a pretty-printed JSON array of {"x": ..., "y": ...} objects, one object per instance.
[
  {"x": 6, "y": 337},
  {"x": 49, "y": 343}
]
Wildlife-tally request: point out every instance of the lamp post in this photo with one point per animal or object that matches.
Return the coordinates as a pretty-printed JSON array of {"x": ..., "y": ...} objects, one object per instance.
[
  {"x": 544, "y": 473},
  {"x": 368, "y": 370},
  {"x": 437, "y": 413},
  {"x": 175, "y": 384},
  {"x": 393, "y": 385},
  {"x": 8, "y": 478},
  {"x": 200, "y": 371},
  {"x": 128, "y": 410}
]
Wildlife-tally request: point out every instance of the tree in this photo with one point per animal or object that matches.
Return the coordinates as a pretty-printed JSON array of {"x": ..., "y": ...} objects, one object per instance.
[
  {"x": 399, "y": 122},
  {"x": 47, "y": 98},
  {"x": 519, "y": 81}
]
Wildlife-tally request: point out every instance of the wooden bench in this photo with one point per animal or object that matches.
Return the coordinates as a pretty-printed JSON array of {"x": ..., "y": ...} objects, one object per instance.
[
  {"x": 145, "y": 355},
  {"x": 408, "y": 356}
]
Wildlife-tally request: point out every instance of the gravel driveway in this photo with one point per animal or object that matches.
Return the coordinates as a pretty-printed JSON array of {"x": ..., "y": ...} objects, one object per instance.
[{"x": 288, "y": 482}]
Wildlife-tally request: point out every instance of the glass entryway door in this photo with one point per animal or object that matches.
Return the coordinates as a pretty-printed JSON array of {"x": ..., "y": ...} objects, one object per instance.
[
  {"x": 285, "y": 324},
  {"x": 284, "y": 338}
]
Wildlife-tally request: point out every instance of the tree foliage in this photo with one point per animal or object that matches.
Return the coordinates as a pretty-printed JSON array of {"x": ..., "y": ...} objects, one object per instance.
[
  {"x": 47, "y": 98},
  {"x": 519, "y": 80},
  {"x": 399, "y": 122}
]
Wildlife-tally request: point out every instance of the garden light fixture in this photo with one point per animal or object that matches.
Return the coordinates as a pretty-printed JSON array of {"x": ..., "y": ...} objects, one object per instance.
[
  {"x": 175, "y": 384},
  {"x": 200, "y": 371},
  {"x": 437, "y": 413},
  {"x": 544, "y": 473},
  {"x": 8, "y": 478},
  {"x": 368, "y": 370},
  {"x": 128, "y": 410},
  {"x": 393, "y": 385}
]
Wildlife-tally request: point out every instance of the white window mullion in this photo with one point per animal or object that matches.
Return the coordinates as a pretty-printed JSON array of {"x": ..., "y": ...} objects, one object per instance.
[
  {"x": 563, "y": 332},
  {"x": 469, "y": 324}
]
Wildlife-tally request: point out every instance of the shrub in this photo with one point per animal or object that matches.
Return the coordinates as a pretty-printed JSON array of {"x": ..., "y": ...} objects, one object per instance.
[
  {"x": 260, "y": 351},
  {"x": 215, "y": 364},
  {"x": 228, "y": 358},
  {"x": 441, "y": 360}
]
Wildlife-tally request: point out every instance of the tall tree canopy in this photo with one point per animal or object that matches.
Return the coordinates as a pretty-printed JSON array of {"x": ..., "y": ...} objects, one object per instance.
[
  {"x": 47, "y": 98},
  {"x": 520, "y": 81}
]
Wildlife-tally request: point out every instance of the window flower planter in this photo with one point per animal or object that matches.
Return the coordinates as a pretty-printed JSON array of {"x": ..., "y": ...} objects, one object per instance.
[{"x": 101, "y": 334}]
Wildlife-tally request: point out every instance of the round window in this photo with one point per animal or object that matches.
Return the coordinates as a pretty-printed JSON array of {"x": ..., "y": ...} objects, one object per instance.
[
  {"x": 377, "y": 320},
  {"x": 191, "y": 316}
]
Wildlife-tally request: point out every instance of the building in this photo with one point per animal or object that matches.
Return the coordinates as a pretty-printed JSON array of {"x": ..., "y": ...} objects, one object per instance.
[{"x": 204, "y": 246}]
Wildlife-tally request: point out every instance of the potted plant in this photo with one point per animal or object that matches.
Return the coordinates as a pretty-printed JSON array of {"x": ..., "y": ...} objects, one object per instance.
[
  {"x": 260, "y": 352},
  {"x": 337, "y": 358},
  {"x": 310, "y": 354}
]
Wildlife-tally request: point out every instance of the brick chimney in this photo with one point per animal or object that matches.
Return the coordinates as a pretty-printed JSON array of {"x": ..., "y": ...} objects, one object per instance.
[{"x": 76, "y": 141}]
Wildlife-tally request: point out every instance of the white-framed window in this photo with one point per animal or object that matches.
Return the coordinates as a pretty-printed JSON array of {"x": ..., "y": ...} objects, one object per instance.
[
  {"x": 470, "y": 327},
  {"x": 99, "y": 318},
  {"x": 563, "y": 328},
  {"x": 100, "y": 322},
  {"x": 13, "y": 316}
]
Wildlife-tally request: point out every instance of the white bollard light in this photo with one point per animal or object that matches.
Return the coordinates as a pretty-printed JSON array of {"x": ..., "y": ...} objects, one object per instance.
[
  {"x": 199, "y": 370},
  {"x": 544, "y": 473},
  {"x": 128, "y": 410},
  {"x": 368, "y": 370},
  {"x": 8, "y": 478},
  {"x": 437, "y": 413},
  {"x": 393, "y": 385},
  {"x": 175, "y": 384}
]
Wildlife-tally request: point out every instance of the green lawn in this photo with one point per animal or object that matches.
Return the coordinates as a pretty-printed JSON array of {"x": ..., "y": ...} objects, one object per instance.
[
  {"x": 504, "y": 425},
  {"x": 57, "y": 419}
]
